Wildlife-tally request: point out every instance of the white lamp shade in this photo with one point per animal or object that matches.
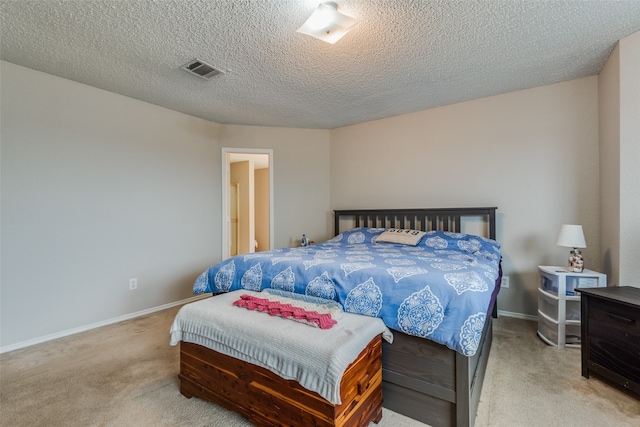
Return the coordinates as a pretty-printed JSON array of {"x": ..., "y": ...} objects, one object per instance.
[
  {"x": 327, "y": 24},
  {"x": 571, "y": 236}
]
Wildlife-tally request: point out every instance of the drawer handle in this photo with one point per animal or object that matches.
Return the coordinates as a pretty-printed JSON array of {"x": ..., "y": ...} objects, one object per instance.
[
  {"x": 363, "y": 384},
  {"x": 620, "y": 318}
]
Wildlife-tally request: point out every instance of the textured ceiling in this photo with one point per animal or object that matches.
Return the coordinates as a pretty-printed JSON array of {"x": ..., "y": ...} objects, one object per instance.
[{"x": 401, "y": 57}]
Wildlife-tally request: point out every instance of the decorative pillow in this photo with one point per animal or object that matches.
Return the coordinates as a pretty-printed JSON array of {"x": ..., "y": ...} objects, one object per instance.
[
  {"x": 357, "y": 235},
  {"x": 403, "y": 236}
]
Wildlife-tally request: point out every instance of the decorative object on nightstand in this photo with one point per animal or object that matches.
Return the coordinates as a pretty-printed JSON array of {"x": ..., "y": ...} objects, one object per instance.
[
  {"x": 559, "y": 305},
  {"x": 572, "y": 236},
  {"x": 611, "y": 334}
]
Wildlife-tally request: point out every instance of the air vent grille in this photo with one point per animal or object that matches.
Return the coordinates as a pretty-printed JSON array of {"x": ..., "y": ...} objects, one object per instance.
[{"x": 201, "y": 69}]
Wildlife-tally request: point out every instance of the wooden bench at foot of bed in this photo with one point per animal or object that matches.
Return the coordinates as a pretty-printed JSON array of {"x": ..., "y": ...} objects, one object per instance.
[{"x": 269, "y": 400}]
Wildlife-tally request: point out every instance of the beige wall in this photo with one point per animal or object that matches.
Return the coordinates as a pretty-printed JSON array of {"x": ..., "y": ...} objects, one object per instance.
[
  {"x": 531, "y": 153},
  {"x": 609, "y": 134},
  {"x": 619, "y": 116},
  {"x": 630, "y": 160},
  {"x": 98, "y": 188}
]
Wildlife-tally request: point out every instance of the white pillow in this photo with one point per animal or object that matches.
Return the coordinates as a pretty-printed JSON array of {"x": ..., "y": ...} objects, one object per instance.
[{"x": 403, "y": 236}]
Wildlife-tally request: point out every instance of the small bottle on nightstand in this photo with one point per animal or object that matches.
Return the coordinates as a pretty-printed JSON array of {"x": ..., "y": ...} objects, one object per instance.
[{"x": 305, "y": 241}]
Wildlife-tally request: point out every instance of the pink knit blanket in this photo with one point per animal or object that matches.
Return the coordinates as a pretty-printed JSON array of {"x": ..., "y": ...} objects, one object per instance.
[{"x": 287, "y": 311}]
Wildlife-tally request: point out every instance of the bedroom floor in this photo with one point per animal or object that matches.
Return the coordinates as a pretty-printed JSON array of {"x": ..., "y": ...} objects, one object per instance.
[
  {"x": 126, "y": 374},
  {"x": 530, "y": 383}
]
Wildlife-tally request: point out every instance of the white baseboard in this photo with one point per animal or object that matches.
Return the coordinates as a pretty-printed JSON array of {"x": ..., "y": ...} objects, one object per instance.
[
  {"x": 517, "y": 315},
  {"x": 68, "y": 332}
]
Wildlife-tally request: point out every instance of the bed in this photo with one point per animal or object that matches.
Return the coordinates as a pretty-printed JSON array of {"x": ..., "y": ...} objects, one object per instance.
[{"x": 429, "y": 373}]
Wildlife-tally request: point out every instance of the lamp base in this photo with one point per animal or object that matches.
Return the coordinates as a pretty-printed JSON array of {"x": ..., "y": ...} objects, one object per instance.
[{"x": 576, "y": 262}]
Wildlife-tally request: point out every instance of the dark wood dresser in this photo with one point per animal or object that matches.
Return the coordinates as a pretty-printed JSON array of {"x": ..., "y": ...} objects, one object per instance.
[{"x": 611, "y": 334}]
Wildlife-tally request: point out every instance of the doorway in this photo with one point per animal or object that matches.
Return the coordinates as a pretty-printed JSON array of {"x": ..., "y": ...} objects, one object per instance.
[{"x": 247, "y": 201}]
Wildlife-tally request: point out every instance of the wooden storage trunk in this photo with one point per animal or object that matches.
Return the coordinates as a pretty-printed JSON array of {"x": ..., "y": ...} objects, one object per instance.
[{"x": 269, "y": 400}]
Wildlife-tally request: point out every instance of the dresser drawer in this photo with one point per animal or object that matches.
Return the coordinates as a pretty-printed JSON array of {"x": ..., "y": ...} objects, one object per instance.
[
  {"x": 610, "y": 314},
  {"x": 615, "y": 350},
  {"x": 611, "y": 329}
]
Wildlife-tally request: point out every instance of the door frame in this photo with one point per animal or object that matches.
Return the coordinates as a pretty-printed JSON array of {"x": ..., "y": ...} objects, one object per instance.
[{"x": 226, "y": 180}]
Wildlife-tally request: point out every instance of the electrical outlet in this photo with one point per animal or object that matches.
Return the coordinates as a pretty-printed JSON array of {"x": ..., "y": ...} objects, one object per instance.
[
  {"x": 505, "y": 282},
  {"x": 133, "y": 284}
]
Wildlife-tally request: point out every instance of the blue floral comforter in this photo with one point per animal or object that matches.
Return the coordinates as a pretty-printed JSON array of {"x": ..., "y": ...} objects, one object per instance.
[{"x": 439, "y": 289}]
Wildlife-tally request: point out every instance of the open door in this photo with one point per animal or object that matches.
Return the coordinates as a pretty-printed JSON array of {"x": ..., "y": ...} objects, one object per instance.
[
  {"x": 252, "y": 170},
  {"x": 234, "y": 223}
]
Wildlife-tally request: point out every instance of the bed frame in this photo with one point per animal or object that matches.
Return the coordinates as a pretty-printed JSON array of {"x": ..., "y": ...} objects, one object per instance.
[{"x": 422, "y": 379}]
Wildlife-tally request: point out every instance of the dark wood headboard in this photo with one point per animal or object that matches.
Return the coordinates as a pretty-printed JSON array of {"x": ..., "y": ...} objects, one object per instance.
[{"x": 445, "y": 219}]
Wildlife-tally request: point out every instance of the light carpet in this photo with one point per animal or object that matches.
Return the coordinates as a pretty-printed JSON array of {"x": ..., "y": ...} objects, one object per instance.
[{"x": 126, "y": 375}]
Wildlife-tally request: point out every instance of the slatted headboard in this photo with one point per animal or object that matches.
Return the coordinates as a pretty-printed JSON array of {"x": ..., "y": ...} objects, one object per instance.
[{"x": 445, "y": 219}]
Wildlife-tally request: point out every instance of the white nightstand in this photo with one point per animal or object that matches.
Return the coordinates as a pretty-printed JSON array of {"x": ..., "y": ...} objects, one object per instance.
[{"x": 559, "y": 304}]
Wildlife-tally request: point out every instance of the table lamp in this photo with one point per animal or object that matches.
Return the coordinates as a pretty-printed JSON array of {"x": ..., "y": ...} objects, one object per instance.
[{"x": 572, "y": 236}]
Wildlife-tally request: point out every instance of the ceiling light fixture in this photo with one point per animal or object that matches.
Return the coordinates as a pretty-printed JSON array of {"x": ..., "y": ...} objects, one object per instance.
[{"x": 327, "y": 24}]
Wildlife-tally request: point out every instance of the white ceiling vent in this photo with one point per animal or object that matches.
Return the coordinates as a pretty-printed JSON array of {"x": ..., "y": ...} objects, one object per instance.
[{"x": 201, "y": 69}]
